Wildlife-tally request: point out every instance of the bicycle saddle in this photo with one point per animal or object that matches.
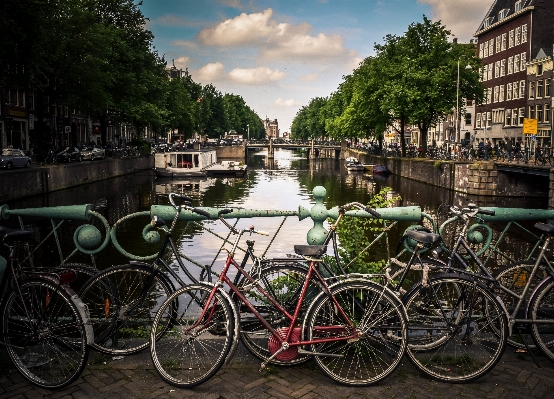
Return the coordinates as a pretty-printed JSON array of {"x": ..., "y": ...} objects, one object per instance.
[
  {"x": 310, "y": 250},
  {"x": 9, "y": 236},
  {"x": 545, "y": 228},
  {"x": 423, "y": 237}
]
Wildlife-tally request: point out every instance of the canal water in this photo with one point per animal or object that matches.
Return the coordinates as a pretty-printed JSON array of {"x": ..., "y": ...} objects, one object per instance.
[{"x": 284, "y": 183}]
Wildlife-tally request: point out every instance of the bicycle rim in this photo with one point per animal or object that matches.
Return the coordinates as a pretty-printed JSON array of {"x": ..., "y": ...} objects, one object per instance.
[
  {"x": 49, "y": 348},
  {"x": 457, "y": 330},
  {"x": 122, "y": 302},
  {"x": 192, "y": 349},
  {"x": 380, "y": 321},
  {"x": 542, "y": 308}
]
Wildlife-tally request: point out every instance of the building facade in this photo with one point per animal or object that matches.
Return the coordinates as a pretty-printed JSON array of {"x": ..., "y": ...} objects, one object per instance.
[
  {"x": 539, "y": 101},
  {"x": 512, "y": 33},
  {"x": 271, "y": 128}
]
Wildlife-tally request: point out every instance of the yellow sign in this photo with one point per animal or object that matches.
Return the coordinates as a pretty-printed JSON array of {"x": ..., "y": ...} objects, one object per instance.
[{"x": 530, "y": 126}]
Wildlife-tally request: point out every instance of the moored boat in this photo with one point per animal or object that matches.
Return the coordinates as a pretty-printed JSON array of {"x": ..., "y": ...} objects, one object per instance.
[
  {"x": 381, "y": 170},
  {"x": 227, "y": 169},
  {"x": 352, "y": 164},
  {"x": 184, "y": 163}
]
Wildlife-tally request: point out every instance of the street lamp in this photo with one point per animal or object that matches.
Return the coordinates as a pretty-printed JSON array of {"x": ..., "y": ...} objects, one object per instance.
[
  {"x": 458, "y": 102},
  {"x": 248, "y": 128}
]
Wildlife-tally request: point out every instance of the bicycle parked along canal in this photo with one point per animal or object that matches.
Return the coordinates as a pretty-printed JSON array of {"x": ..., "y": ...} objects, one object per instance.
[
  {"x": 355, "y": 328},
  {"x": 44, "y": 324}
]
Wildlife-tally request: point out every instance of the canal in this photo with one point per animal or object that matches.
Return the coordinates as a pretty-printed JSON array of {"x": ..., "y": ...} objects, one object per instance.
[{"x": 284, "y": 183}]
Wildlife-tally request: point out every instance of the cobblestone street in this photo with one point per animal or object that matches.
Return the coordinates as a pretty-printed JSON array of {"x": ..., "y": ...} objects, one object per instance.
[{"x": 516, "y": 376}]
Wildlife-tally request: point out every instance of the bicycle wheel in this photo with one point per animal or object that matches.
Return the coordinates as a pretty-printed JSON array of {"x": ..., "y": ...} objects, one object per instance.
[
  {"x": 457, "y": 329},
  {"x": 542, "y": 309},
  {"x": 284, "y": 284},
  {"x": 48, "y": 345},
  {"x": 380, "y": 321},
  {"x": 122, "y": 302},
  {"x": 200, "y": 336},
  {"x": 514, "y": 277}
]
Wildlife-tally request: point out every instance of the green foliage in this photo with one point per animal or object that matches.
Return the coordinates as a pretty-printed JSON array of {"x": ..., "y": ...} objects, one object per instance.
[{"x": 356, "y": 233}]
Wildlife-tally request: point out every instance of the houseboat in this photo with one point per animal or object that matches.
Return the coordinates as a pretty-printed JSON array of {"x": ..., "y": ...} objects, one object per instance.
[{"x": 184, "y": 163}]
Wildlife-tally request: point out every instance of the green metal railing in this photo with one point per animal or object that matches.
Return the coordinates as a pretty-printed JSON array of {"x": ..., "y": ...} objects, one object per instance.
[{"x": 89, "y": 239}]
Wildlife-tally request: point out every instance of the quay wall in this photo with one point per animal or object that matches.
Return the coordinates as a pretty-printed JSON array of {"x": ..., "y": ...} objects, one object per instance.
[
  {"x": 478, "y": 178},
  {"x": 21, "y": 183},
  {"x": 232, "y": 151}
]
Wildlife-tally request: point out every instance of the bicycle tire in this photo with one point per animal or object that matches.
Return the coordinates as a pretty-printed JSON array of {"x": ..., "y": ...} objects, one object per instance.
[
  {"x": 381, "y": 321},
  {"x": 444, "y": 341},
  {"x": 50, "y": 348},
  {"x": 541, "y": 308},
  {"x": 184, "y": 357},
  {"x": 284, "y": 284},
  {"x": 514, "y": 277},
  {"x": 110, "y": 295}
]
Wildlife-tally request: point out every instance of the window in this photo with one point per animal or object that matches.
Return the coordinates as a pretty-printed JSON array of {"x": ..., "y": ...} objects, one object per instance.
[
  {"x": 491, "y": 47},
  {"x": 539, "y": 69},
  {"x": 532, "y": 112},
  {"x": 509, "y": 88},
  {"x": 496, "y": 91},
  {"x": 547, "y": 83},
  {"x": 518, "y": 6},
  {"x": 510, "y": 65},
  {"x": 501, "y": 94},
  {"x": 539, "y": 112},
  {"x": 486, "y": 50},
  {"x": 514, "y": 117},
  {"x": 523, "y": 62},
  {"x": 489, "y": 116},
  {"x": 524, "y": 33},
  {"x": 511, "y": 39},
  {"x": 522, "y": 89},
  {"x": 521, "y": 116},
  {"x": 498, "y": 44},
  {"x": 489, "y": 77},
  {"x": 516, "y": 91},
  {"x": 531, "y": 89},
  {"x": 508, "y": 120},
  {"x": 517, "y": 36},
  {"x": 540, "y": 88},
  {"x": 547, "y": 112},
  {"x": 487, "y": 22},
  {"x": 503, "y": 43},
  {"x": 489, "y": 95},
  {"x": 516, "y": 63},
  {"x": 468, "y": 119},
  {"x": 484, "y": 73},
  {"x": 503, "y": 13},
  {"x": 503, "y": 67},
  {"x": 497, "y": 69},
  {"x": 478, "y": 120},
  {"x": 481, "y": 51}
]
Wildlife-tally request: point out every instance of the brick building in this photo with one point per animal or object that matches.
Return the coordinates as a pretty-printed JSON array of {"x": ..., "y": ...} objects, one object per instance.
[{"x": 512, "y": 33}]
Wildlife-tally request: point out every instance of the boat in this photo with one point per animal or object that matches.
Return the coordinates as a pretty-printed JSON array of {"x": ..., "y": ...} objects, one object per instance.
[
  {"x": 226, "y": 169},
  {"x": 184, "y": 163},
  {"x": 381, "y": 170},
  {"x": 352, "y": 164}
]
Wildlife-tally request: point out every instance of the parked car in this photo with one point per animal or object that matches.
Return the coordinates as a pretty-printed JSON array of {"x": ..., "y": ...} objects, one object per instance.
[
  {"x": 69, "y": 154},
  {"x": 86, "y": 153},
  {"x": 98, "y": 153},
  {"x": 14, "y": 158}
]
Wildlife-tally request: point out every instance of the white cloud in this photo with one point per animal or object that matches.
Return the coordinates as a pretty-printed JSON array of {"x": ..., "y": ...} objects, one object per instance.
[
  {"x": 291, "y": 102},
  {"x": 309, "y": 77},
  {"x": 181, "y": 62},
  {"x": 276, "y": 40},
  {"x": 462, "y": 18},
  {"x": 211, "y": 72},
  {"x": 256, "y": 76}
]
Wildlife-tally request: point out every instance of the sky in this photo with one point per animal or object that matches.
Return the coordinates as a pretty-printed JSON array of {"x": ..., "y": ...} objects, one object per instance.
[{"x": 280, "y": 54}]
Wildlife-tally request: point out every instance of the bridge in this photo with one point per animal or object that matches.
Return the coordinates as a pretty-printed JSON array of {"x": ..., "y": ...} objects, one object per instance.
[{"x": 312, "y": 147}]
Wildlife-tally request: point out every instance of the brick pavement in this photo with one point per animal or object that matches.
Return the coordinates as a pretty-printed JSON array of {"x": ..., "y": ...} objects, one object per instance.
[{"x": 516, "y": 376}]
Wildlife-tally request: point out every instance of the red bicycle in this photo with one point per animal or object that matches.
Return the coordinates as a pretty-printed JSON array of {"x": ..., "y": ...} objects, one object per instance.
[{"x": 354, "y": 328}]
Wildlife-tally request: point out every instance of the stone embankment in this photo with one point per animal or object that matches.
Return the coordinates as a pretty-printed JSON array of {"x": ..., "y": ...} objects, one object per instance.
[{"x": 21, "y": 183}]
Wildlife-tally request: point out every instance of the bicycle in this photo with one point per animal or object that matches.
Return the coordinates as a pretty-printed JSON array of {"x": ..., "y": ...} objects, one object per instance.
[
  {"x": 355, "y": 329},
  {"x": 44, "y": 324},
  {"x": 123, "y": 299}
]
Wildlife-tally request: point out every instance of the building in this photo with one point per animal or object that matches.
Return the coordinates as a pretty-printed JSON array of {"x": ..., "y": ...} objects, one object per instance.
[
  {"x": 271, "y": 128},
  {"x": 539, "y": 102},
  {"x": 512, "y": 33}
]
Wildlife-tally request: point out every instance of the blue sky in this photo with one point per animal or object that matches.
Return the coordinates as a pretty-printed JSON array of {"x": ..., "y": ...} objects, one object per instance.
[{"x": 278, "y": 55}]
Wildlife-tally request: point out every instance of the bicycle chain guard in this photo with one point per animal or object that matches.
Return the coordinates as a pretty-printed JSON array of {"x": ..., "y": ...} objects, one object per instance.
[{"x": 288, "y": 354}]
